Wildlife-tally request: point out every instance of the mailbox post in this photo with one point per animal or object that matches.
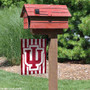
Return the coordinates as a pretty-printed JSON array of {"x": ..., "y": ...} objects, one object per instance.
[
  {"x": 53, "y": 81},
  {"x": 47, "y": 20}
]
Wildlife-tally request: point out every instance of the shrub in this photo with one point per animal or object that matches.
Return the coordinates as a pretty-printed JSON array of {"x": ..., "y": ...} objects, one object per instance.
[
  {"x": 71, "y": 47},
  {"x": 85, "y": 28},
  {"x": 85, "y": 25}
]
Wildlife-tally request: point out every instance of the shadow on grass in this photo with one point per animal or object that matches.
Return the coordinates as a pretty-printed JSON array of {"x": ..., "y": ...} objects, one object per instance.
[{"x": 6, "y": 63}]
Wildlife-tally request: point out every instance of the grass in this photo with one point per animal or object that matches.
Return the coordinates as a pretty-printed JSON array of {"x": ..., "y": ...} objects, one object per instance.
[
  {"x": 11, "y": 80},
  {"x": 11, "y": 31}
]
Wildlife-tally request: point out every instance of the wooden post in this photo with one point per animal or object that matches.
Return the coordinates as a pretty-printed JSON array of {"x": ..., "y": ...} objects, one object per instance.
[{"x": 53, "y": 81}]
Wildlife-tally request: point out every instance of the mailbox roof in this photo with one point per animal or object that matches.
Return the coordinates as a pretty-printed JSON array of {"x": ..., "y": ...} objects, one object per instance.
[{"x": 46, "y": 10}]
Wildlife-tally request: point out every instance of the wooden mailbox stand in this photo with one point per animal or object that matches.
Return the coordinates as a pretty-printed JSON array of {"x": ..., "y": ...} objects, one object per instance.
[
  {"x": 47, "y": 20},
  {"x": 53, "y": 81}
]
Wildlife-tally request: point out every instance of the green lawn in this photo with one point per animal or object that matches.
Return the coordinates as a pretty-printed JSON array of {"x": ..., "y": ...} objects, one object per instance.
[{"x": 11, "y": 80}]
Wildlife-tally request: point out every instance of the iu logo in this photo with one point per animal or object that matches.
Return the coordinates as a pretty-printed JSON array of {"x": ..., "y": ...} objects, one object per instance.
[{"x": 33, "y": 56}]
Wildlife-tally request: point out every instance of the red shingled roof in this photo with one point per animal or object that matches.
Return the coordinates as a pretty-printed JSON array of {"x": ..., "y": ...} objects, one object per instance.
[{"x": 46, "y": 10}]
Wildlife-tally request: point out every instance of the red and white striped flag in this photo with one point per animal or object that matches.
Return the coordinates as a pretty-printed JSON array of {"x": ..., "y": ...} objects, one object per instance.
[{"x": 33, "y": 56}]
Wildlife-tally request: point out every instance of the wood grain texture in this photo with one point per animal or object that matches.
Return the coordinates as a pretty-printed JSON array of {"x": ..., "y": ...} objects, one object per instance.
[
  {"x": 44, "y": 6},
  {"x": 48, "y": 24},
  {"x": 57, "y": 14},
  {"x": 46, "y": 10},
  {"x": 25, "y": 25},
  {"x": 49, "y": 16},
  {"x": 25, "y": 20},
  {"x": 53, "y": 81}
]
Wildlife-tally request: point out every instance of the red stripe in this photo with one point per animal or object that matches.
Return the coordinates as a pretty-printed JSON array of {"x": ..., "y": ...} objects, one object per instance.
[
  {"x": 25, "y": 66},
  {"x": 29, "y": 41},
  {"x": 41, "y": 43},
  {"x": 21, "y": 56},
  {"x": 45, "y": 55},
  {"x": 25, "y": 43},
  {"x": 37, "y": 71},
  {"x": 37, "y": 41},
  {"x": 28, "y": 56},
  {"x": 42, "y": 68},
  {"x": 29, "y": 72},
  {"x": 33, "y": 72},
  {"x": 43, "y": 62},
  {"x": 33, "y": 41}
]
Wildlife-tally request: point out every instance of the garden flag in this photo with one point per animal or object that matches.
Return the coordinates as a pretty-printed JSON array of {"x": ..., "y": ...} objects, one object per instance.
[{"x": 33, "y": 56}]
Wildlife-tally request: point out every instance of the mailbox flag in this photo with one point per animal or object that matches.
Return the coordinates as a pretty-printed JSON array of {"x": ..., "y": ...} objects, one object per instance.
[{"x": 33, "y": 56}]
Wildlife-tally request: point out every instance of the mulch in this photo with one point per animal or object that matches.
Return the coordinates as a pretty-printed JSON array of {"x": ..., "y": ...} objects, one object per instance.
[{"x": 65, "y": 70}]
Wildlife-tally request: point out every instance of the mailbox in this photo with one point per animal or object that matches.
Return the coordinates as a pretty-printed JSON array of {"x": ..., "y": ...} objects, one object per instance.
[{"x": 45, "y": 19}]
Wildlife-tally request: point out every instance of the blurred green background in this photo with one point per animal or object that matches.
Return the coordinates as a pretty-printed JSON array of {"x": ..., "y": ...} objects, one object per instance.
[{"x": 74, "y": 44}]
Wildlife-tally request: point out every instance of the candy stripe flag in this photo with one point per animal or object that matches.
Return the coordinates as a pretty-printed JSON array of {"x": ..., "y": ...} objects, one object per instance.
[{"x": 33, "y": 56}]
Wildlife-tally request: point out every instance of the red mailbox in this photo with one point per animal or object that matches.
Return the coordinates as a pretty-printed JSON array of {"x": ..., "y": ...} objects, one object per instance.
[
  {"x": 47, "y": 20},
  {"x": 44, "y": 19}
]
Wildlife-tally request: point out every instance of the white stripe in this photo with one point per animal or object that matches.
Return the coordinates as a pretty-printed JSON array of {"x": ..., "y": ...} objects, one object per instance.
[
  {"x": 35, "y": 72},
  {"x": 43, "y": 42},
  {"x": 31, "y": 55},
  {"x": 44, "y": 63},
  {"x": 40, "y": 70},
  {"x": 31, "y": 72},
  {"x": 31, "y": 50},
  {"x": 36, "y": 41},
  {"x": 27, "y": 71},
  {"x": 27, "y": 42},
  {"x": 36, "y": 55},
  {"x": 36, "y": 51},
  {"x": 31, "y": 41},
  {"x": 23, "y": 65},
  {"x": 40, "y": 42}
]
